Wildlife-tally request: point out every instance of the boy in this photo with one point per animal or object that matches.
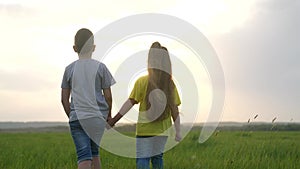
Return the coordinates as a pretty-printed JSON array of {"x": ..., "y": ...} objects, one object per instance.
[{"x": 88, "y": 82}]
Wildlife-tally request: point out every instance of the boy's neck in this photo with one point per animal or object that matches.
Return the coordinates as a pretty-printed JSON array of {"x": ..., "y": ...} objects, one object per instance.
[{"x": 85, "y": 56}]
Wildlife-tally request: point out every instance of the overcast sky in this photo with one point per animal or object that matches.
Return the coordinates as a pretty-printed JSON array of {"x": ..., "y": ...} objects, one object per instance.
[
  {"x": 257, "y": 42},
  {"x": 261, "y": 62}
]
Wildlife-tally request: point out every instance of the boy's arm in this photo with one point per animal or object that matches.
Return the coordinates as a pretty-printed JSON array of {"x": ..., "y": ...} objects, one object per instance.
[
  {"x": 65, "y": 96},
  {"x": 108, "y": 98},
  {"x": 176, "y": 120}
]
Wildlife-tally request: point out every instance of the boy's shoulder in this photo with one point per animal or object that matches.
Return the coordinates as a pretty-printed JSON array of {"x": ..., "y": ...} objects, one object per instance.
[
  {"x": 71, "y": 65},
  {"x": 101, "y": 66},
  {"x": 93, "y": 62}
]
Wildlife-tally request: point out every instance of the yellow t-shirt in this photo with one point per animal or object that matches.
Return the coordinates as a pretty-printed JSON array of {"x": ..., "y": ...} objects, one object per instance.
[{"x": 138, "y": 93}]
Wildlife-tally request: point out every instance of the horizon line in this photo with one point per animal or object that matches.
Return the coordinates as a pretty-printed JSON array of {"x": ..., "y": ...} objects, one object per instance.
[{"x": 36, "y": 121}]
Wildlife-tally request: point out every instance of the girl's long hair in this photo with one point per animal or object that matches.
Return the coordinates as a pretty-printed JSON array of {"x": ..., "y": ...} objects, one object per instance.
[{"x": 159, "y": 77}]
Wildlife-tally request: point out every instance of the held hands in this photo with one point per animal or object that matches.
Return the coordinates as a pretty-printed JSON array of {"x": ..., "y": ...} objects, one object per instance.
[
  {"x": 124, "y": 109},
  {"x": 110, "y": 123},
  {"x": 108, "y": 118}
]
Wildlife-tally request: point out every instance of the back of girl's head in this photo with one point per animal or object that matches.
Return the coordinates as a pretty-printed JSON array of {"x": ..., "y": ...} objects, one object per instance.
[
  {"x": 155, "y": 45},
  {"x": 158, "y": 58},
  {"x": 84, "y": 41},
  {"x": 160, "y": 77}
]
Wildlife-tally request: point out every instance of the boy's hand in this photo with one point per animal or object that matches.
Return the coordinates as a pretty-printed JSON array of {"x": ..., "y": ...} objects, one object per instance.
[{"x": 178, "y": 137}]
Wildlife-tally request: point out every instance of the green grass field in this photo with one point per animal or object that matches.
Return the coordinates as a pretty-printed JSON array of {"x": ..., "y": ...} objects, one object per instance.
[{"x": 240, "y": 150}]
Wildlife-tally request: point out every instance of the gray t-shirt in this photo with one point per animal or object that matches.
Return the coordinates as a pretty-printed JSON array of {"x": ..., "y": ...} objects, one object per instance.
[{"x": 87, "y": 78}]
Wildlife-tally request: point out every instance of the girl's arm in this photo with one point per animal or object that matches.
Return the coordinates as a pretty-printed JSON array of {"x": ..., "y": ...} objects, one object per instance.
[
  {"x": 65, "y": 96},
  {"x": 108, "y": 99},
  {"x": 124, "y": 109},
  {"x": 176, "y": 120}
]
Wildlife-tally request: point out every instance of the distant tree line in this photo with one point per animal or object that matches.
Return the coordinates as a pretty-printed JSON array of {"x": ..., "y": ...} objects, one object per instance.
[{"x": 258, "y": 127}]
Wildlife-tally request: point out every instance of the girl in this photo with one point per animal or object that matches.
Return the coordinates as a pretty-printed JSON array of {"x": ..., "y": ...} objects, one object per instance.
[{"x": 159, "y": 100}]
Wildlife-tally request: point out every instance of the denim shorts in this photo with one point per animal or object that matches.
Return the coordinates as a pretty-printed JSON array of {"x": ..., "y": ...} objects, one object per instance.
[{"x": 86, "y": 134}]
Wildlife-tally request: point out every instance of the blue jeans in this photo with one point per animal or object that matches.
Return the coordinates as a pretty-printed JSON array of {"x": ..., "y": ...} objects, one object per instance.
[
  {"x": 87, "y": 137},
  {"x": 150, "y": 149}
]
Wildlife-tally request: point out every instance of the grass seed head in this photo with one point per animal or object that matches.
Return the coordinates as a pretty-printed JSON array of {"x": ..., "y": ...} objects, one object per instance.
[
  {"x": 274, "y": 119},
  {"x": 255, "y": 116}
]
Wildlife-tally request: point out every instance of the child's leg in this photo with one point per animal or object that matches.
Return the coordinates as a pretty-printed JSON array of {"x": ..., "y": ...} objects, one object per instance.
[
  {"x": 159, "y": 143},
  {"x": 95, "y": 152},
  {"x": 82, "y": 144},
  {"x": 157, "y": 161},
  {"x": 95, "y": 129},
  {"x": 96, "y": 163},
  {"x": 143, "y": 152},
  {"x": 142, "y": 163},
  {"x": 85, "y": 164}
]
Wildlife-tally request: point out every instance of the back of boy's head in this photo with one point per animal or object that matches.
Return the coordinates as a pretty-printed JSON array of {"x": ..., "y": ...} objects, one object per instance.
[{"x": 84, "y": 41}]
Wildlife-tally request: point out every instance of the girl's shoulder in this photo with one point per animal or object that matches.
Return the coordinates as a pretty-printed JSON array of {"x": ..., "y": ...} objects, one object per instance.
[{"x": 142, "y": 79}]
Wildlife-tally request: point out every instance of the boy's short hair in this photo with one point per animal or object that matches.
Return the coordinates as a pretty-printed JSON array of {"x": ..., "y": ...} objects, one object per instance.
[{"x": 84, "y": 41}]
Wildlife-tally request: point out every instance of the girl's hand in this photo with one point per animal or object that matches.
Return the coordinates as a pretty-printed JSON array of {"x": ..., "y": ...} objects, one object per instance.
[{"x": 178, "y": 137}]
